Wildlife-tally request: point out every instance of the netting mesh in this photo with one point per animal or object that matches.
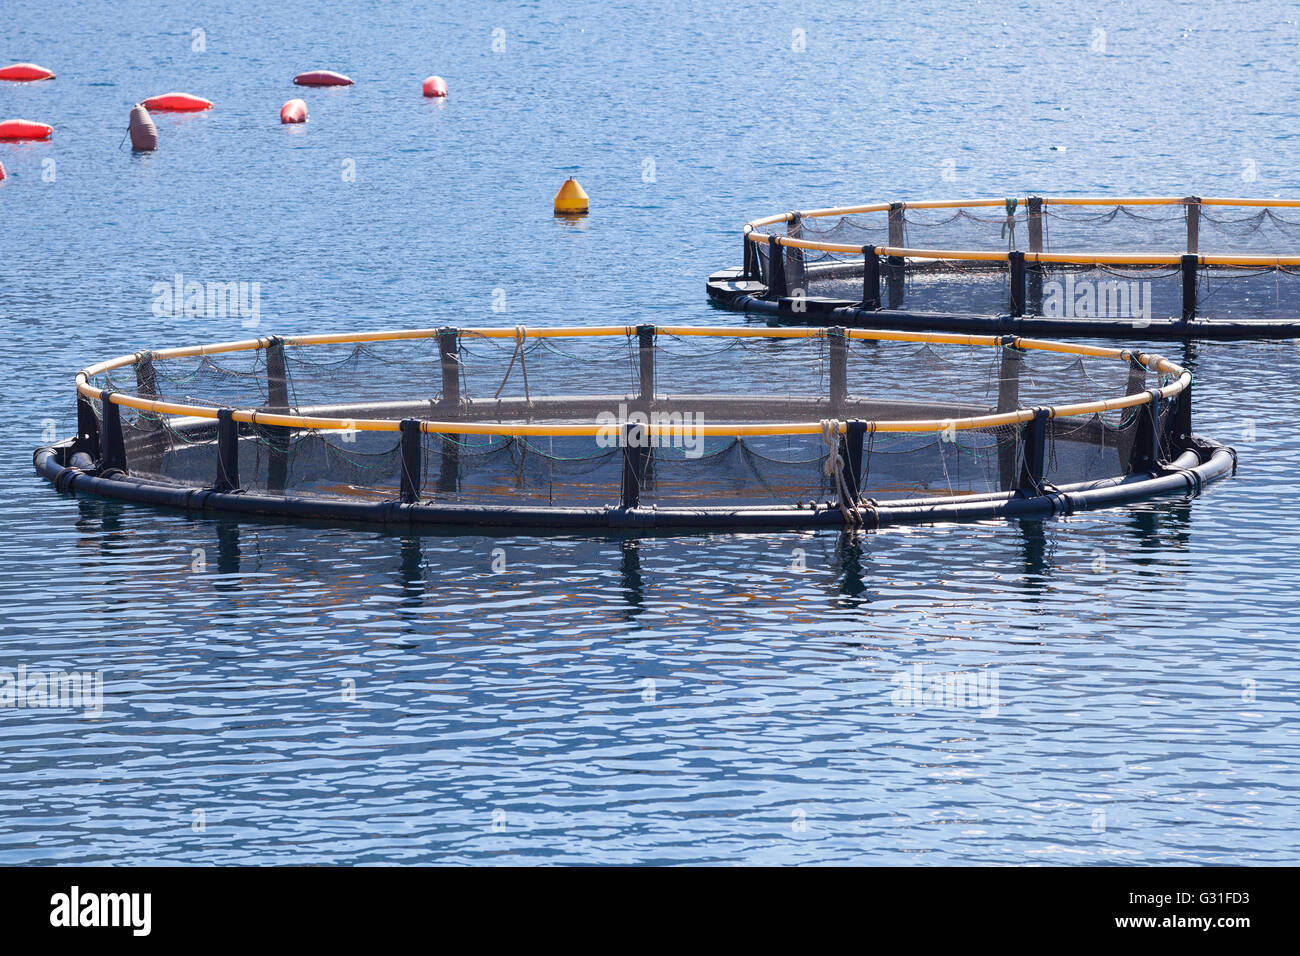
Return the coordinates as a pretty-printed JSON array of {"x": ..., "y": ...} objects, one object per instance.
[
  {"x": 550, "y": 383},
  {"x": 1129, "y": 293}
]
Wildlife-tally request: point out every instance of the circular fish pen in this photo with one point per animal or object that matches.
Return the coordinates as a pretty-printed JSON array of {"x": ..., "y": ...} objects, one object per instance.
[
  {"x": 1181, "y": 267},
  {"x": 636, "y": 427}
]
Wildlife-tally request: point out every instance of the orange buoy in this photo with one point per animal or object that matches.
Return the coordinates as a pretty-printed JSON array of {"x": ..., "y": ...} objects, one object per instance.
[
  {"x": 24, "y": 129},
  {"x": 571, "y": 200},
  {"x": 322, "y": 78},
  {"x": 435, "y": 86},
  {"x": 177, "y": 103},
  {"x": 144, "y": 135},
  {"x": 295, "y": 111},
  {"x": 25, "y": 72}
]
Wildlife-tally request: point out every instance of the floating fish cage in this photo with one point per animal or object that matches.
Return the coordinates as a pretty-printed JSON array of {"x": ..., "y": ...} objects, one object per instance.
[
  {"x": 1187, "y": 266},
  {"x": 636, "y": 427}
]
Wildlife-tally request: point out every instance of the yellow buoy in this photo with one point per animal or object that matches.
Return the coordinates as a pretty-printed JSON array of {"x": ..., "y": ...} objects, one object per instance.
[{"x": 571, "y": 200}]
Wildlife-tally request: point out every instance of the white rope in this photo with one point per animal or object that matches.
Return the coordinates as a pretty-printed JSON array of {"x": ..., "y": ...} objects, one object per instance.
[{"x": 834, "y": 468}]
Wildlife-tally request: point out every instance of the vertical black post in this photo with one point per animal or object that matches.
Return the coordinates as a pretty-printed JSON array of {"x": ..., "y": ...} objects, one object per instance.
[
  {"x": 870, "y": 278},
  {"x": 634, "y": 442},
  {"x": 111, "y": 442},
  {"x": 1137, "y": 382},
  {"x": 411, "y": 460},
  {"x": 1180, "y": 423},
  {"x": 277, "y": 378},
  {"x": 87, "y": 428},
  {"x": 277, "y": 402},
  {"x": 646, "y": 351},
  {"x": 1033, "y": 470},
  {"x": 895, "y": 264},
  {"x": 1035, "y": 268},
  {"x": 449, "y": 347},
  {"x": 449, "y": 463},
  {"x": 152, "y": 441},
  {"x": 1145, "y": 452},
  {"x": 1189, "y": 263},
  {"x": 750, "y": 271},
  {"x": 1008, "y": 401},
  {"x": 776, "y": 287},
  {"x": 227, "y": 451},
  {"x": 797, "y": 278},
  {"x": 1017, "y": 262},
  {"x": 851, "y": 457},
  {"x": 1193, "y": 206},
  {"x": 839, "y": 368}
]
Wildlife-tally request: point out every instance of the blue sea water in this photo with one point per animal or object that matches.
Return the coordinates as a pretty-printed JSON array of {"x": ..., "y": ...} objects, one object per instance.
[{"x": 336, "y": 695}]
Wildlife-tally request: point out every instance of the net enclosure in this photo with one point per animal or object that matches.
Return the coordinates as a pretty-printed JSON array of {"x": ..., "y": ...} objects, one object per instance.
[
  {"x": 636, "y": 427},
  {"x": 1185, "y": 266}
]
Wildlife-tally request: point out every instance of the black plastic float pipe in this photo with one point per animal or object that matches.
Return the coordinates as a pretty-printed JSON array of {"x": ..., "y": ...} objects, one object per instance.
[{"x": 1187, "y": 473}]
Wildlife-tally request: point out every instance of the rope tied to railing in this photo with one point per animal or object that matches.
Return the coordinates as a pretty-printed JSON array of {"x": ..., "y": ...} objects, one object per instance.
[
  {"x": 834, "y": 469},
  {"x": 521, "y": 336},
  {"x": 1009, "y": 225}
]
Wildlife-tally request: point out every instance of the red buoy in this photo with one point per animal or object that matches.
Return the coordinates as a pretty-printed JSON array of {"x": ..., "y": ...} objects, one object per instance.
[
  {"x": 144, "y": 135},
  {"x": 295, "y": 111},
  {"x": 177, "y": 103},
  {"x": 25, "y": 72},
  {"x": 322, "y": 78},
  {"x": 435, "y": 86},
  {"x": 24, "y": 129}
]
